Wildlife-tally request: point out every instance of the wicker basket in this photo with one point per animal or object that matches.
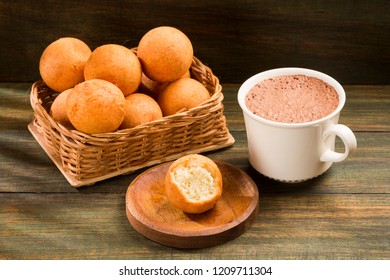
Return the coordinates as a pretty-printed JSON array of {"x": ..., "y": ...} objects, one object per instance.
[{"x": 85, "y": 159}]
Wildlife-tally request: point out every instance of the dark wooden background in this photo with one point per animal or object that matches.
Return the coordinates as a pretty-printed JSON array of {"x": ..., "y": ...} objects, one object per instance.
[{"x": 349, "y": 40}]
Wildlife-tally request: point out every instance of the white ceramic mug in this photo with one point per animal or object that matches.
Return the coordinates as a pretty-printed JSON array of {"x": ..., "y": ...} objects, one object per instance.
[{"x": 294, "y": 152}]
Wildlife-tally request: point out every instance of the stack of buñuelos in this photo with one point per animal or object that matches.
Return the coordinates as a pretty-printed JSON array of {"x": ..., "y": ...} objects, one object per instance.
[
  {"x": 164, "y": 56},
  {"x": 88, "y": 157}
]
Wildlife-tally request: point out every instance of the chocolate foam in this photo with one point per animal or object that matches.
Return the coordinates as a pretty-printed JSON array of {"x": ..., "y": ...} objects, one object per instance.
[{"x": 292, "y": 99}]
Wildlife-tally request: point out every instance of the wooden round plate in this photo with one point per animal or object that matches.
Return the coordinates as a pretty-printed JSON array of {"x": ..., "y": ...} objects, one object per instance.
[{"x": 151, "y": 214}]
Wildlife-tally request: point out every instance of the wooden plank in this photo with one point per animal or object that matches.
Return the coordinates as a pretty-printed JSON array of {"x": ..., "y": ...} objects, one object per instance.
[
  {"x": 289, "y": 226},
  {"x": 26, "y": 168},
  {"x": 348, "y": 39},
  {"x": 366, "y": 108},
  {"x": 366, "y": 171}
]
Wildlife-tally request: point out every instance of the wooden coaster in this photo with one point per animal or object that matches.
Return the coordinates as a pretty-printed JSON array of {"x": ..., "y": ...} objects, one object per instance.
[{"x": 151, "y": 214}]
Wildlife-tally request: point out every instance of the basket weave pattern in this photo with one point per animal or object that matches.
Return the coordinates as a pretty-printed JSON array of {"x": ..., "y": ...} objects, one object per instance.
[{"x": 86, "y": 156}]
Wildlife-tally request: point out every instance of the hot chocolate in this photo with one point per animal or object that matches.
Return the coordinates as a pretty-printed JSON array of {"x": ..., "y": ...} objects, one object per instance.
[{"x": 292, "y": 99}]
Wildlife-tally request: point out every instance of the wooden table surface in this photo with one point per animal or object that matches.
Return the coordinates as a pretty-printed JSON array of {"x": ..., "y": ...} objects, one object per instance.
[{"x": 343, "y": 214}]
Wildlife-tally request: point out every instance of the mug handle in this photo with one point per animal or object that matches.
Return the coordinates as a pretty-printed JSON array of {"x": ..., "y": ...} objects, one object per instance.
[{"x": 348, "y": 138}]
